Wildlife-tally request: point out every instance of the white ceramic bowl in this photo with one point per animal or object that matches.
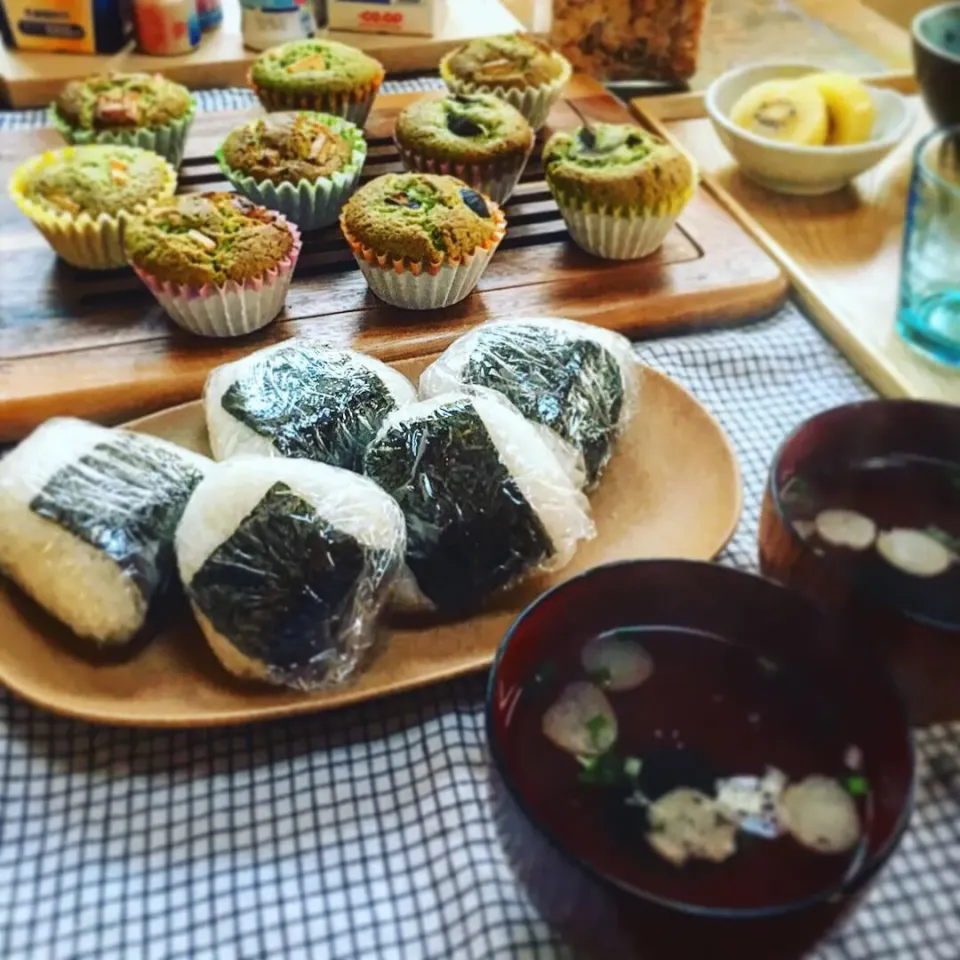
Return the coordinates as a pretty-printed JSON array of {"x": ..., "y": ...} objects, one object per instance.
[{"x": 801, "y": 170}]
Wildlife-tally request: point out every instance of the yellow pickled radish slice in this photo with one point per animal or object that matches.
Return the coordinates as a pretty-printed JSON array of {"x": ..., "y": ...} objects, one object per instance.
[
  {"x": 785, "y": 111},
  {"x": 849, "y": 107}
]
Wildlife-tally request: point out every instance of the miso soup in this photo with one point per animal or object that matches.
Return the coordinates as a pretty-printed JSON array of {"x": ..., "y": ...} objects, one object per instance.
[
  {"x": 889, "y": 526},
  {"x": 690, "y": 769}
]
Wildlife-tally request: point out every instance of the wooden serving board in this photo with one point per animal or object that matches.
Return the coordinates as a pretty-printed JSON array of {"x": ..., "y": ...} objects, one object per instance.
[
  {"x": 842, "y": 250},
  {"x": 97, "y": 345},
  {"x": 31, "y": 79},
  {"x": 672, "y": 489}
]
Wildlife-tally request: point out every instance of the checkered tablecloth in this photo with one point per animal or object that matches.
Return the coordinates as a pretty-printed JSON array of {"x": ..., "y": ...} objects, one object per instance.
[{"x": 366, "y": 833}]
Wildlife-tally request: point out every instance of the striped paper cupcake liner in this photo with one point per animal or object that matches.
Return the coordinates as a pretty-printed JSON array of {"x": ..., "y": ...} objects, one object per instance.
[
  {"x": 231, "y": 309},
  {"x": 425, "y": 285},
  {"x": 85, "y": 241},
  {"x": 310, "y": 204},
  {"x": 533, "y": 102},
  {"x": 168, "y": 140},
  {"x": 618, "y": 234},
  {"x": 352, "y": 105},
  {"x": 496, "y": 178}
]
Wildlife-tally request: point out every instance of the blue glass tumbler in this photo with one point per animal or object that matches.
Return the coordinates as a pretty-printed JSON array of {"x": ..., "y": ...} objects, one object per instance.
[{"x": 929, "y": 312}]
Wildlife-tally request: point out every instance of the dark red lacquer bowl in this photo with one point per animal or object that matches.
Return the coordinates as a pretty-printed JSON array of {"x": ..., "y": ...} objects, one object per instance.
[
  {"x": 607, "y": 920},
  {"x": 923, "y": 657}
]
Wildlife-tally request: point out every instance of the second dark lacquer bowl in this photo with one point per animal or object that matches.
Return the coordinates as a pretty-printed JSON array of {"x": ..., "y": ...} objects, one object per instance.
[{"x": 920, "y": 644}]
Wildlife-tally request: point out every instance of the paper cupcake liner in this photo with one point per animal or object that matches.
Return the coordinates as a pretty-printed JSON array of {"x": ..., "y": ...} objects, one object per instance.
[
  {"x": 311, "y": 204},
  {"x": 168, "y": 140},
  {"x": 497, "y": 178},
  {"x": 230, "y": 310},
  {"x": 533, "y": 102},
  {"x": 617, "y": 237},
  {"x": 352, "y": 105},
  {"x": 424, "y": 286},
  {"x": 90, "y": 243},
  {"x": 618, "y": 234}
]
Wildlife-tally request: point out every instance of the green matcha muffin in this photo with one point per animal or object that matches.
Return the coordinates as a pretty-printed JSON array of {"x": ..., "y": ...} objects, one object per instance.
[
  {"x": 476, "y": 137},
  {"x": 135, "y": 109},
  {"x": 303, "y": 164},
  {"x": 80, "y": 198},
  {"x": 320, "y": 75},
  {"x": 217, "y": 263},
  {"x": 619, "y": 188},
  {"x": 421, "y": 240},
  {"x": 520, "y": 69}
]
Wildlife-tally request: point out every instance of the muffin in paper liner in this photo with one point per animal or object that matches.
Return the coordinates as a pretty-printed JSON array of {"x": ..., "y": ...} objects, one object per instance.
[
  {"x": 419, "y": 285},
  {"x": 622, "y": 233},
  {"x": 168, "y": 140},
  {"x": 231, "y": 309},
  {"x": 310, "y": 204},
  {"x": 353, "y": 105},
  {"x": 533, "y": 102},
  {"x": 496, "y": 179},
  {"x": 84, "y": 241}
]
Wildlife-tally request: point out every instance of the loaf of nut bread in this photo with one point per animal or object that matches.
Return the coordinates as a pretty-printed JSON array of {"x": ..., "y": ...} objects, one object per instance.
[{"x": 629, "y": 39}]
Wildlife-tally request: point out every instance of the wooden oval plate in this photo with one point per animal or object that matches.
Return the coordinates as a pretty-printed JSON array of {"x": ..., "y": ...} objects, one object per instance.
[{"x": 671, "y": 490}]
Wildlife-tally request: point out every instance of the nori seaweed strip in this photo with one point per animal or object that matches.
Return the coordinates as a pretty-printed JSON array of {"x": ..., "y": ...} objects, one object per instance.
[
  {"x": 311, "y": 406},
  {"x": 574, "y": 387},
  {"x": 469, "y": 529},
  {"x": 125, "y": 497},
  {"x": 283, "y": 584}
]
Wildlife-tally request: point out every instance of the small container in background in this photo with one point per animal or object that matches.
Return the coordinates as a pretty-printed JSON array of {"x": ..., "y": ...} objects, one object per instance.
[
  {"x": 210, "y": 13},
  {"x": 417, "y": 17},
  {"x": 65, "y": 27},
  {"x": 166, "y": 28},
  {"x": 268, "y": 23}
]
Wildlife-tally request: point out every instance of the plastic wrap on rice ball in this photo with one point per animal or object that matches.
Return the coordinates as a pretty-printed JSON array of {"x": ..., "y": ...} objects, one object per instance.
[
  {"x": 578, "y": 381},
  {"x": 485, "y": 499},
  {"x": 304, "y": 400},
  {"x": 87, "y": 518},
  {"x": 287, "y": 564}
]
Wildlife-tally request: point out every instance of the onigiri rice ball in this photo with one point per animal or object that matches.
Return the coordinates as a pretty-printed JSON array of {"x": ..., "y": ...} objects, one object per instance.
[
  {"x": 286, "y": 564},
  {"x": 485, "y": 499},
  {"x": 301, "y": 399},
  {"x": 87, "y": 518},
  {"x": 578, "y": 381}
]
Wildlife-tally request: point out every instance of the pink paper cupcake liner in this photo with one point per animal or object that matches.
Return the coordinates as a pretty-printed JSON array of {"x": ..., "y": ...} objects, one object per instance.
[{"x": 231, "y": 309}]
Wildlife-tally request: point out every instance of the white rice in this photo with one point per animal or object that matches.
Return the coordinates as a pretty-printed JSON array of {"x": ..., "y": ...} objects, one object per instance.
[
  {"x": 546, "y": 485},
  {"x": 229, "y": 437},
  {"x": 229, "y": 493},
  {"x": 445, "y": 374},
  {"x": 77, "y": 583}
]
